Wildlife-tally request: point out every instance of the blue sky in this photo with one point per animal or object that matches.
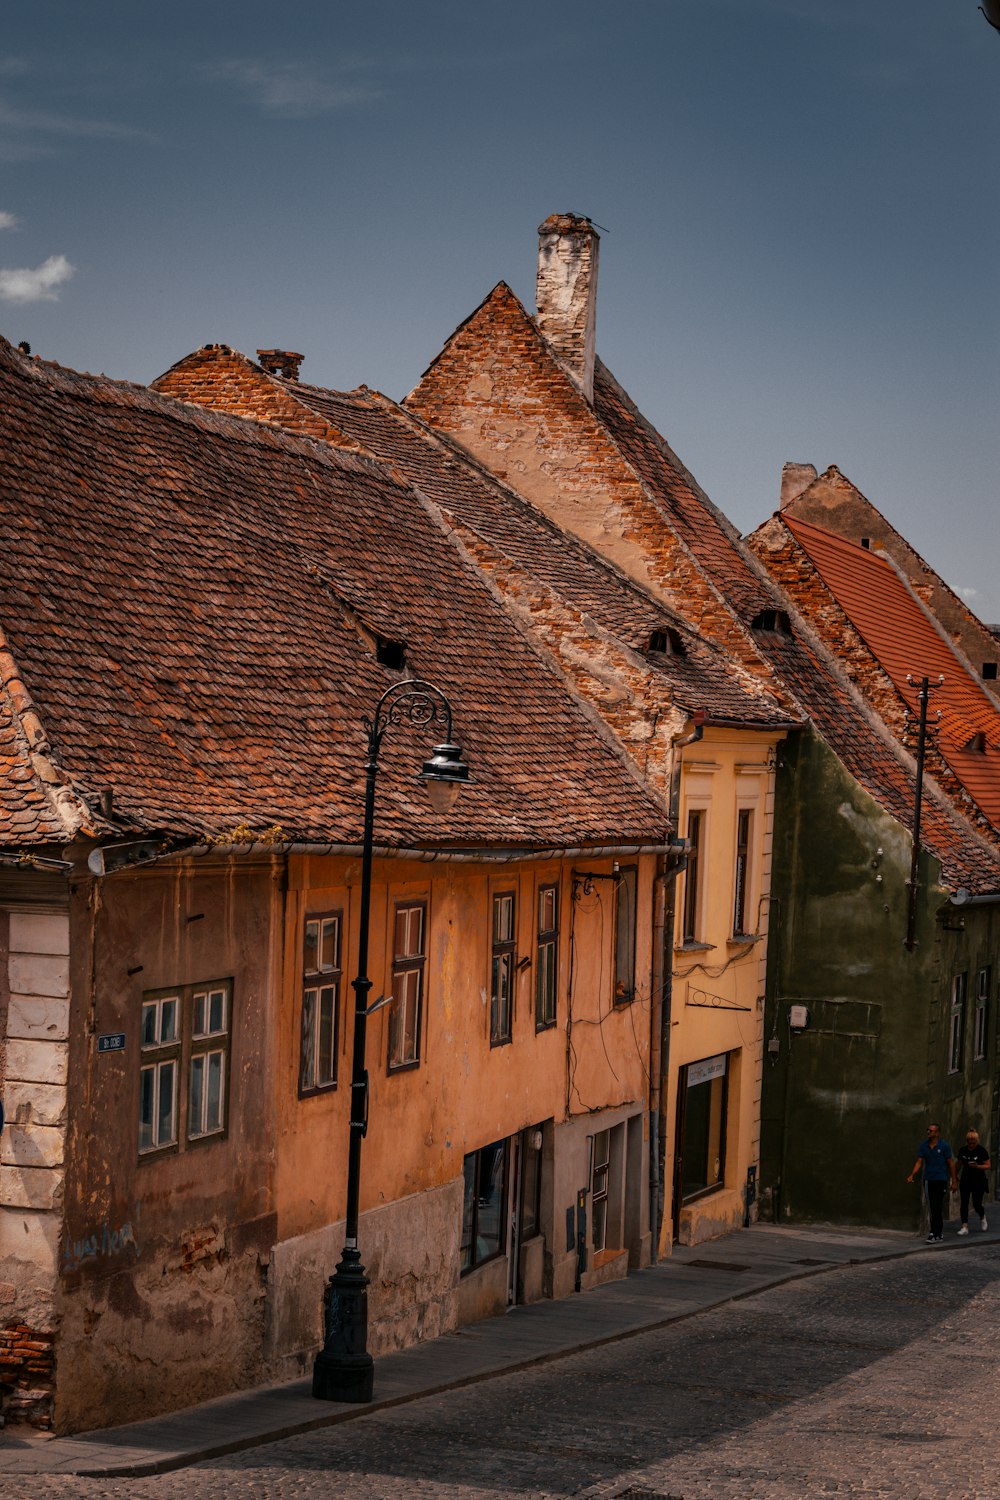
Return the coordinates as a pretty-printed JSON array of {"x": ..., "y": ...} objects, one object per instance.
[{"x": 800, "y": 198}]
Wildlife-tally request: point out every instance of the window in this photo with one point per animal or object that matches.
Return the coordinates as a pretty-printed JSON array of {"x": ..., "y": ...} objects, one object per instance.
[
  {"x": 692, "y": 877},
  {"x": 484, "y": 1210},
  {"x": 982, "y": 1014},
  {"x": 320, "y": 1003},
  {"x": 502, "y": 971},
  {"x": 531, "y": 1184},
  {"x": 407, "y": 985},
  {"x": 702, "y": 1125},
  {"x": 665, "y": 643},
  {"x": 599, "y": 1190},
  {"x": 184, "y": 1037},
  {"x": 773, "y": 621},
  {"x": 744, "y": 823},
  {"x": 989, "y": 671},
  {"x": 547, "y": 964},
  {"x": 625, "y": 890},
  {"x": 956, "y": 1023}
]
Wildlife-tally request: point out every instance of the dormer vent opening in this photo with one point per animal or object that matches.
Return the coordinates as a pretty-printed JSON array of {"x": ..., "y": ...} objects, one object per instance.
[
  {"x": 866, "y": 542},
  {"x": 977, "y": 744},
  {"x": 773, "y": 621},
  {"x": 665, "y": 643},
  {"x": 391, "y": 654},
  {"x": 989, "y": 671}
]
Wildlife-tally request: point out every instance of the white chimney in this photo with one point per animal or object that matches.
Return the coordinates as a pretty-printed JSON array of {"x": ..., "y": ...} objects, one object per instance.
[{"x": 567, "y": 294}]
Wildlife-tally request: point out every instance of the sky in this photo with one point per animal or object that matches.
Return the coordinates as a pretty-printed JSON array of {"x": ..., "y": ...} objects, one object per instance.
[{"x": 799, "y": 204}]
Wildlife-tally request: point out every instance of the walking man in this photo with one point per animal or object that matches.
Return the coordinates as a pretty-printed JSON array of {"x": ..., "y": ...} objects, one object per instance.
[
  {"x": 975, "y": 1163},
  {"x": 934, "y": 1155}
]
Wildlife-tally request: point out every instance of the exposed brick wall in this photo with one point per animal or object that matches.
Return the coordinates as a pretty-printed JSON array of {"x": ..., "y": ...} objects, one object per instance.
[
  {"x": 496, "y": 389},
  {"x": 27, "y": 1375},
  {"x": 225, "y": 380}
]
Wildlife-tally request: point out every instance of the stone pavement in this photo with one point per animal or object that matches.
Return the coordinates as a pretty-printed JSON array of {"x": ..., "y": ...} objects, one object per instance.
[{"x": 691, "y": 1281}]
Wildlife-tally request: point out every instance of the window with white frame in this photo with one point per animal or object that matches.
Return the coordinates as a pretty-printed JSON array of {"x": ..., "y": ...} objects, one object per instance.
[
  {"x": 408, "y": 960},
  {"x": 956, "y": 1023},
  {"x": 981, "y": 1040},
  {"x": 184, "y": 1044},
  {"x": 321, "y": 975}
]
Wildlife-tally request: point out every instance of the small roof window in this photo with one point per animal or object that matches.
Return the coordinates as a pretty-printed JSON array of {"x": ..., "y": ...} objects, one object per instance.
[
  {"x": 989, "y": 671},
  {"x": 391, "y": 654},
  {"x": 665, "y": 643},
  {"x": 773, "y": 621},
  {"x": 977, "y": 743}
]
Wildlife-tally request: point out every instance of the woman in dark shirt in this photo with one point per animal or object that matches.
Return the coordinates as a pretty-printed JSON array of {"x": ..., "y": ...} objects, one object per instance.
[{"x": 974, "y": 1161}]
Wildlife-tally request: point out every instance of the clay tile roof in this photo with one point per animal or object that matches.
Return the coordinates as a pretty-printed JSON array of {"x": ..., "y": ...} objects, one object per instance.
[
  {"x": 194, "y": 601},
  {"x": 907, "y": 643},
  {"x": 702, "y": 677}
]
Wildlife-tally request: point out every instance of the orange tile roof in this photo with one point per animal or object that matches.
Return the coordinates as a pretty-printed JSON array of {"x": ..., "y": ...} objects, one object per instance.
[
  {"x": 193, "y": 601},
  {"x": 908, "y": 644}
]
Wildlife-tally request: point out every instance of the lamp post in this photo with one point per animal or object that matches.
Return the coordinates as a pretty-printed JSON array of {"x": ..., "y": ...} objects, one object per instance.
[{"x": 344, "y": 1370}]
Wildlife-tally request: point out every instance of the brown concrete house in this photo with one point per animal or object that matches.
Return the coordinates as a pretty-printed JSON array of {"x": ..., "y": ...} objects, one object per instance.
[
  {"x": 529, "y": 399},
  {"x": 657, "y": 684},
  {"x": 198, "y": 615}
]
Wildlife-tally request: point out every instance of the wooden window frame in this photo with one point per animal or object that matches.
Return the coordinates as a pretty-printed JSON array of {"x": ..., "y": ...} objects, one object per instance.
[
  {"x": 546, "y": 967},
  {"x": 627, "y": 894},
  {"x": 691, "y": 908},
  {"x": 183, "y": 1050},
  {"x": 402, "y": 966},
  {"x": 600, "y": 1182},
  {"x": 743, "y": 870},
  {"x": 323, "y": 977},
  {"x": 984, "y": 984},
  {"x": 956, "y": 1022},
  {"x": 503, "y": 956}
]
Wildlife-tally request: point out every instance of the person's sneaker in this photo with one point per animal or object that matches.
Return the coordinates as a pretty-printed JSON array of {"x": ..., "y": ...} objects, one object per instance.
[
  {"x": 931, "y": 1238},
  {"x": 984, "y": 1222},
  {"x": 964, "y": 1229}
]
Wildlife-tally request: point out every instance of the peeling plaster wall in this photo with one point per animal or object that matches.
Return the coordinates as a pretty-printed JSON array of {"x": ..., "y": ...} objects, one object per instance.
[{"x": 35, "y": 1008}]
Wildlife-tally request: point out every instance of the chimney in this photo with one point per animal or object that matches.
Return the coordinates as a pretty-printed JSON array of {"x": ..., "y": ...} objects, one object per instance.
[
  {"x": 280, "y": 362},
  {"x": 795, "y": 480},
  {"x": 567, "y": 294}
]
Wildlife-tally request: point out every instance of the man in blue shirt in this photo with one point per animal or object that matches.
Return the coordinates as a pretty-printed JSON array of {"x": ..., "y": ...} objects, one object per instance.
[{"x": 934, "y": 1155}]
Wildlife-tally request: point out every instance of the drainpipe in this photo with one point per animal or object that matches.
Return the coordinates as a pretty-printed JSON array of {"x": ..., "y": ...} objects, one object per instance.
[
  {"x": 923, "y": 697},
  {"x": 665, "y": 955}
]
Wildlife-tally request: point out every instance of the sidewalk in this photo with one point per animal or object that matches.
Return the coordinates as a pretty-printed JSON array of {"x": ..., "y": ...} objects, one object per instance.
[{"x": 691, "y": 1281}]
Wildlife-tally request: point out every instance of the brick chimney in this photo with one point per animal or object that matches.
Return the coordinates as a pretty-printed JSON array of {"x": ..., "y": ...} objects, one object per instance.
[
  {"x": 567, "y": 294},
  {"x": 280, "y": 362},
  {"x": 795, "y": 480}
]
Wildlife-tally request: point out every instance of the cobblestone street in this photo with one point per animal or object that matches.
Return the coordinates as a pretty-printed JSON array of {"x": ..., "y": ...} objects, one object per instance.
[{"x": 878, "y": 1381}]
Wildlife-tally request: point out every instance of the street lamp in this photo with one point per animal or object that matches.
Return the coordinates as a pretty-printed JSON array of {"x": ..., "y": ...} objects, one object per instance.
[{"x": 344, "y": 1370}]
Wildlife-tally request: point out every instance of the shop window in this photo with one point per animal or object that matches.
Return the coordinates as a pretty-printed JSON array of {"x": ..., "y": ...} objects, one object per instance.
[
  {"x": 547, "y": 956},
  {"x": 184, "y": 1037},
  {"x": 502, "y": 968},
  {"x": 531, "y": 1184},
  {"x": 408, "y": 960},
  {"x": 702, "y": 1125},
  {"x": 625, "y": 893},
  {"x": 484, "y": 1209},
  {"x": 692, "y": 877},
  {"x": 956, "y": 1023},
  {"x": 320, "y": 1003},
  {"x": 744, "y": 826},
  {"x": 982, "y": 1014}
]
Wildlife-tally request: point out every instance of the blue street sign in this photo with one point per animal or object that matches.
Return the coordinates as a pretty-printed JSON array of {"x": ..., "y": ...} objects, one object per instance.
[{"x": 113, "y": 1041}]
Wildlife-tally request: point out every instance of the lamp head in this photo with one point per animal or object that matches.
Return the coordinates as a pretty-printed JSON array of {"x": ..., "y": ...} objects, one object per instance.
[{"x": 444, "y": 775}]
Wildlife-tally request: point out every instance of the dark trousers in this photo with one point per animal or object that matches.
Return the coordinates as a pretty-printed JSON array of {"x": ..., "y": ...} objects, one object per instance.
[
  {"x": 970, "y": 1188},
  {"x": 935, "y": 1202}
]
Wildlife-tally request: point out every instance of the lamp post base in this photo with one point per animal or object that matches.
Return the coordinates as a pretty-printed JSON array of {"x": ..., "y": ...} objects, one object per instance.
[
  {"x": 343, "y": 1369},
  {"x": 343, "y": 1378}
]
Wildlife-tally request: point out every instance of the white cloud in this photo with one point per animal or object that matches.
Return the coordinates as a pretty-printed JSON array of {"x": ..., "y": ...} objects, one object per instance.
[
  {"x": 969, "y": 593},
  {"x": 7, "y": 221},
  {"x": 292, "y": 90},
  {"x": 38, "y": 285},
  {"x": 48, "y": 122}
]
